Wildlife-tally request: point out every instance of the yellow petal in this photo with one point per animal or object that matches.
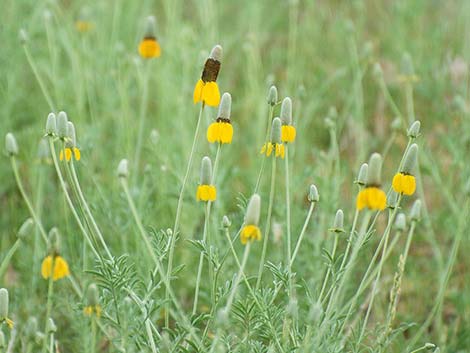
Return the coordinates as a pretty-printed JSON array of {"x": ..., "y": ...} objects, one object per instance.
[
  {"x": 149, "y": 48},
  {"x": 226, "y": 133},
  {"x": 46, "y": 267},
  {"x": 61, "y": 155},
  {"x": 211, "y": 94},
  {"x": 76, "y": 153},
  {"x": 68, "y": 154},
  {"x": 250, "y": 232},
  {"x": 403, "y": 183},
  {"x": 361, "y": 200},
  {"x": 197, "y": 95},
  {"x": 270, "y": 149},
  {"x": 61, "y": 268},
  {"x": 213, "y": 132}
]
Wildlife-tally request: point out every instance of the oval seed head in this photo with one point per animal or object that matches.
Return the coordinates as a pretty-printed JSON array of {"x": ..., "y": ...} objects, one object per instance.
[
  {"x": 407, "y": 65},
  {"x": 2, "y": 340},
  {"x": 374, "y": 170},
  {"x": 206, "y": 171},
  {"x": 216, "y": 53},
  {"x": 53, "y": 240},
  {"x": 43, "y": 150},
  {"x": 51, "y": 125},
  {"x": 26, "y": 229},
  {"x": 226, "y": 222},
  {"x": 225, "y": 106},
  {"x": 11, "y": 145},
  {"x": 62, "y": 128},
  {"x": 71, "y": 135},
  {"x": 3, "y": 303},
  {"x": 411, "y": 159},
  {"x": 276, "y": 131},
  {"x": 286, "y": 111},
  {"x": 400, "y": 222},
  {"x": 123, "y": 169},
  {"x": 272, "y": 95},
  {"x": 413, "y": 131},
  {"x": 362, "y": 175},
  {"x": 92, "y": 295},
  {"x": 150, "y": 26},
  {"x": 415, "y": 213},
  {"x": 51, "y": 326},
  {"x": 339, "y": 222},
  {"x": 253, "y": 210},
  {"x": 313, "y": 195}
]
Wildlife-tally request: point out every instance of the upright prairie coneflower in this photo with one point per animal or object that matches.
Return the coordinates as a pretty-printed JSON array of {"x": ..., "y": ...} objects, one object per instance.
[
  {"x": 53, "y": 264},
  {"x": 275, "y": 144},
  {"x": 222, "y": 130},
  {"x": 404, "y": 181},
  {"x": 287, "y": 130},
  {"x": 206, "y": 191},
  {"x": 71, "y": 148},
  {"x": 83, "y": 24},
  {"x": 149, "y": 47},
  {"x": 92, "y": 301},
  {"x": 250, "y": 230},
  {"x": 206, "y": 89},
  {"x": 4, "y": 308},
  {"x": 371, "y": 196}
]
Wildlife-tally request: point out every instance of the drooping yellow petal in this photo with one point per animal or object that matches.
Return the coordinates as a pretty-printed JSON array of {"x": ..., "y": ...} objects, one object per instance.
[
  {"x": 269, "y": 150},
  {"x": 61, "y": 268},
  {"x": 371, "y": 197},
  {"x": 206, "y": 193},
  {"x": 46, "y": 267},
  {"x": 149, "y": 48},
  {"x": 361, "y": 200},
  {"x": 250, "y": 232},
  {"x": 226, "y": 132},
  {"x": 288, "y": 133},
  {"x": 76, "y": 153},
  {"x": 280, "y": 150},
  {"x": 213, "y": 132},
  {"x": 61, "y": 155},
  {"x": 88, "y": 310},
  {"x": 197, "y": 95},
  {"x": 211, "y": 94},
  {"x": 68, "y": 154},
  {"x": 404, "y": 183}
]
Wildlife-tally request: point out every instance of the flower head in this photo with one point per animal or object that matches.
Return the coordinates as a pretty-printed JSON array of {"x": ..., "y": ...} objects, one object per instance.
[
  {"x": 250, "y": 230},
  {"x": 222, "y": 130},
  {"x": 71, "y": 148},
  {"x": 372, "y": 197},
  {"x": 287, "y": 130},
  {"x": 56, "y": 266},
  {"x": 206, "y": 89},
  {"x": 404, "y": 181},
  {"x": 92, "y": 301},
  {"x": 275, "y": 144},
  {"x": 4, "y": 308},
  {"x": 149, "y": 47},
  {"x": 206, "y": 191}
]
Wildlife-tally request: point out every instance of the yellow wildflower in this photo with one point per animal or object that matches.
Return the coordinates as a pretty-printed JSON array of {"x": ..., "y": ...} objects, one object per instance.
[
  {"x": 84, "y": 26},
  {"x": 220, "y": 131},
  {"x": 61, "y": 268},
  {"x": 92, "y": 309},
  {"x": 269, "y": 147},
  {"x": 404, "y": 183},
  {"x": 206, "y": 89},
  {"x": 206, "y": 193},
  {"x": 250, "y": 232},
  {"x": 288, "y": 133},
  {"x": 371, "y": 197},
  {"x": 68, "y": 153},
  {"x": 149, "y": 48}
]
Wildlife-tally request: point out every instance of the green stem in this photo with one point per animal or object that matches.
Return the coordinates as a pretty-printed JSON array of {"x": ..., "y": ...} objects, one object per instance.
[
  {"x": 93, "y": 335},
  {"x": 288, "y": 218},
  {"x": 268, "y": 223},
  {"x": 268, "y": 128},
  {"x": 50, "y": 292},
  {"x": 143, "y": 111},
  {"x": 6, "y": 260},
  {"x": 328, "y": 272},
  {"x": 178, "y": 211},
  {"x": 302, "y": 233}
]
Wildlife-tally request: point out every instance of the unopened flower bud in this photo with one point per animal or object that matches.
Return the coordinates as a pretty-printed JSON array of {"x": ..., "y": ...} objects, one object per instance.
[
  {"x": 123, "y": 168},
  {"x": 26, "y": 229},
  {"x": 51, "y": 326},
  {"x": 226, "y": 222},
  {"x": 253, "y": 210},
  {"x": 3, "y": 303},
  {"x": 272, "y": 96},
  {"x": 51, "y": 125},
  {"x": 276, "y": 131},
  {"x": 410, "y": 159},
  {"x": 415, "y": 213},
  {"x": 413, "y": 131},
  {"x": 71, "y": 135},
  {"x": 216, "y": 53},
  {"x": 313, "y": 195},
  {"x": 339, "y": 222},
  {"x": 23, "y": 36},
  {"x": 362, "y": 175},
  {"x": 92, "y": 295},
  {"x": 62, "y": 126},
  {"x": 374, "y": 170},
  {"x": 11, "y": 146},
  {"x": 407, "y": 65},
  {"x": 225, "y": 106},
  {"x": 286, "y": 111},
  {"x": 206, "y": 171},
  {"x": 400, "y": 222}
]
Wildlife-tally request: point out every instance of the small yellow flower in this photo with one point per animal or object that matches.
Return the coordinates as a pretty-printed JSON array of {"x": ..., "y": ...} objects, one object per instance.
[
  {"x": 68, "y": 152},
  {"x": 371, "y": 197},
  {"x": 61, "y": 268},
  {"x": 206, "y": 193},
  {"x": 404, "y": 183},
  {"x": 83, "y": 26},
  {"x": 288, "y": 133},
  {"x": 250, "y": 232},
  {"x": 220, "y": 131},
  {"x": 269, "y": 147},
  {"x": 149, "y": 48},
  {"x": 92, "y": 309},
  {"x": 206, "y": 89}
]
